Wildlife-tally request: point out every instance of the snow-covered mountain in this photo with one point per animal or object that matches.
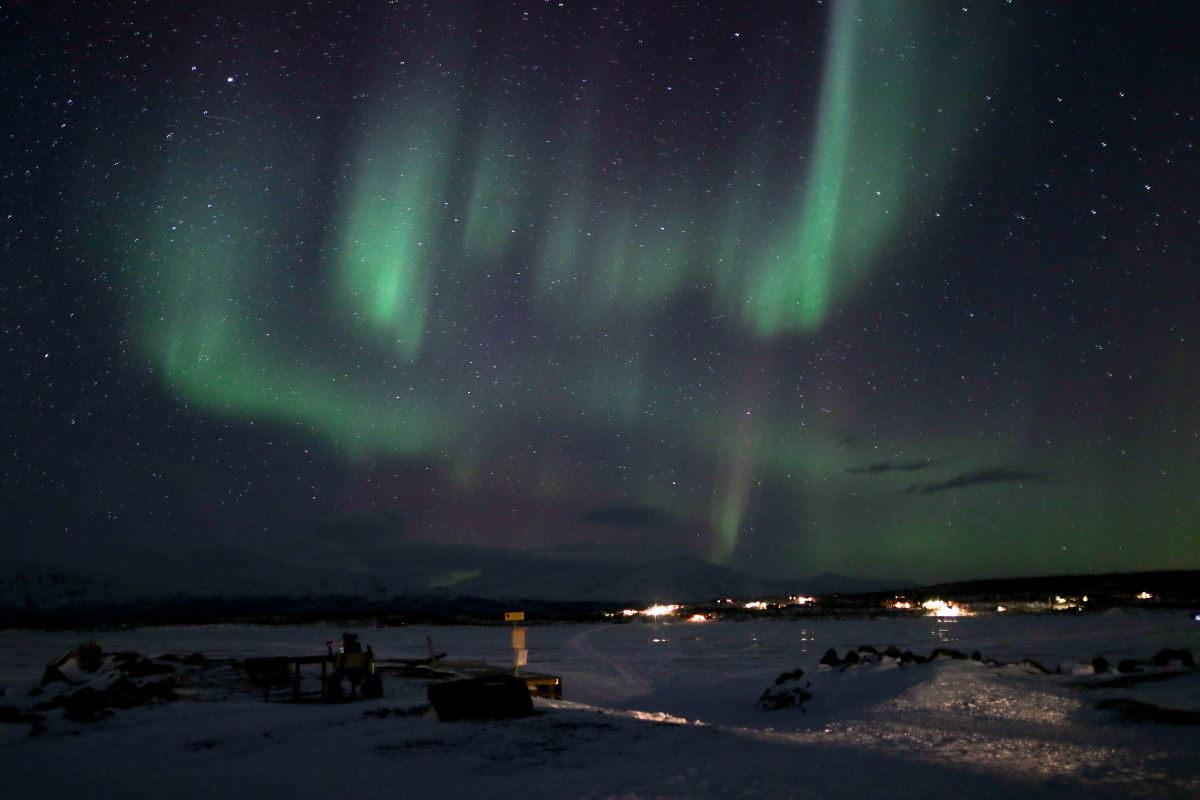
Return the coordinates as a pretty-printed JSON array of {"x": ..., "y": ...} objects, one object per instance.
[
  {"x": 675, "y": 580},
  {"x": 670, "y": 580}
]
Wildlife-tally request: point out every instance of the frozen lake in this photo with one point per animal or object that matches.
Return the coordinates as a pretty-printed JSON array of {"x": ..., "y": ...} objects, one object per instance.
[{"x": 651, "y": 709}]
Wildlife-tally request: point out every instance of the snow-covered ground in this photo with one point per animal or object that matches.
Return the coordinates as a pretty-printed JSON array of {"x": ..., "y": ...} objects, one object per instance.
[{"x": 655, "y": 709}]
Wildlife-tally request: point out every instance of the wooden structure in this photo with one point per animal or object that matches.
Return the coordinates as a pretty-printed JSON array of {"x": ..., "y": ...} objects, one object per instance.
[
  {"x": 278, "y": 671},
  {"x": 549, "y": 686}
]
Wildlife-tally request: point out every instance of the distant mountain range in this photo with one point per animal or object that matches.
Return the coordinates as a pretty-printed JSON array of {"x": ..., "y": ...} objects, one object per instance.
[
  {"x": 609, "y": 583},
  {"x": 674, "y": 580},
  {"x": 257, "y": 590}
]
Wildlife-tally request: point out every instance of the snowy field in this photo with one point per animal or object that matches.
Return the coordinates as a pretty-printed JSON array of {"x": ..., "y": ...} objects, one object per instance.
[{"x": 651, "y": 710}]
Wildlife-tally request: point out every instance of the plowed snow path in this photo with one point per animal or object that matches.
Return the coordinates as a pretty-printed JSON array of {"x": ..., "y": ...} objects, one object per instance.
[{"x": 630, "y": 681}]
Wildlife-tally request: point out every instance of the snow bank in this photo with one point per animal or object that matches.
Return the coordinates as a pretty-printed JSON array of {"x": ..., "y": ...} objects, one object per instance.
[{"x": 655, "y": 710}]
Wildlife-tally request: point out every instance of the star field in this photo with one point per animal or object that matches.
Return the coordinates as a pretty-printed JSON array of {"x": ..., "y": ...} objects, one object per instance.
[{"x": 880, "y": 288}]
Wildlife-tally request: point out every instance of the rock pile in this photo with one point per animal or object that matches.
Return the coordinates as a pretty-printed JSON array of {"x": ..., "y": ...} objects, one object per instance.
[
  {"x": 792, "y": 690},
  {"x": 90, "y": 704},
  {"x": 88, "y": 685},
  {"x": 1163, "y": 659}
]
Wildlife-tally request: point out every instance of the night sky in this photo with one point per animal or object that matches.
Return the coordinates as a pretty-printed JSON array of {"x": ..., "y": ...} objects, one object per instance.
[{"x": 891, "y": 289}]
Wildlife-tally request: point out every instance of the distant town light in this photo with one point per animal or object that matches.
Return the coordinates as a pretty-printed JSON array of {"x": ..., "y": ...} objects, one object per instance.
[
  {"x": 697, "y": 618},
  {"x": 1144, "y": 596},
  {"x": 1001, "y": 609},
  {"x": 943, "y": 608},
  {"x": 756, "y": 605},
  {"x": 660, "y": 610},
  {"x": 1060, "y": 603}
]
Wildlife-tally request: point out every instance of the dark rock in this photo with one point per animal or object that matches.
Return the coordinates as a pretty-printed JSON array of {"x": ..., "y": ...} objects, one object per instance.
[
  {"x": 124, "y": 693},
  {"x": 1039, "y": 666},
  {"x": 775, "y": 699},
  {"x": 794, "y": 675},
  {"x": 197, "y": 659},
  {"x": 12, "y": 714},
  {"x": 958, "y": 655},
  {"x": 830, "y": 659},
  {"x": 1100, "y": 664},
  {"x": 1164, "y": 657},
  {"x": 89, "y": 655},
  {"x": 141, "y": 668},
  {"x": 89, "y": 704},
  {"x": 851, "y": 657},
  {"x": 892, "y": 651},
  {"x": 777, "y": 702},
  {"x": 487, "y": 697},
  {"x": 37, "y": 729},
  {"x": 1137, "y": 711},
  {"x": 86, "y": 705},
  {"x": 52, "y": 674},
  {"x": 1129, "y": 665},
  {"x": 976, "y": 655}
]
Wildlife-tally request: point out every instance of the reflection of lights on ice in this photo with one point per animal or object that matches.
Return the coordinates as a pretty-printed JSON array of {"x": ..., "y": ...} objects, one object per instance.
[
  {"x": 941, "y": 608},
  {"x": 902, "y": 605}
]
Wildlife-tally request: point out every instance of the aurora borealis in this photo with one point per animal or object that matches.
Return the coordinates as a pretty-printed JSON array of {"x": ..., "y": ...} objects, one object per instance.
[{"x": 879, "y": 288}]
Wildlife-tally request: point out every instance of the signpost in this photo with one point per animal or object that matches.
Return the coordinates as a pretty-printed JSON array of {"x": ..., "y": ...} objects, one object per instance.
[{"x": 520, "y": 654}]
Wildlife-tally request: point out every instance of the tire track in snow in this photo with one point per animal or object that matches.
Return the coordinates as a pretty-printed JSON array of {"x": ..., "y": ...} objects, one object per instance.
[{"x": 630, "y": 678}]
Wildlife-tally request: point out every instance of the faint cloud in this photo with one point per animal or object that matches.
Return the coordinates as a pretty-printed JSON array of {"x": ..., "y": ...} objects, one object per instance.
[
  {"x": 980, "y": 477},
  {"x": 890, "y": 466}
]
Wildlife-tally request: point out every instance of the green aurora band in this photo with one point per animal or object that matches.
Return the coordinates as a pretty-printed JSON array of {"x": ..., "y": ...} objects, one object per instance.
[{"x": 435, "y": 211}]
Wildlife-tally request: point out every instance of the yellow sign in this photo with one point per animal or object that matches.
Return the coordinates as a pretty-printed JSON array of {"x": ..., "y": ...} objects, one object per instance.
[
  {"x": 514, "y": 616},
  {"x": 518, "y": 639}
]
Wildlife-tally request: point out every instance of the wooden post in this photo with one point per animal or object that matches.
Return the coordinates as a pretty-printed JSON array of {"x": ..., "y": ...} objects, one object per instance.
[{"x": 520, "y": 654}]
